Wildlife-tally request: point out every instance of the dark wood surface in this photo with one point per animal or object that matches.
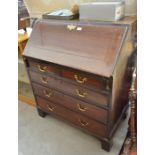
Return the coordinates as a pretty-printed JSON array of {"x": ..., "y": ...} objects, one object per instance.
[
  {"x": 83, "y": 79},
  {"x": 72, "y": 70},
  {"x": 79, "y": 106},
  {"x": 52, "y": 41},
  {"x": 75, "y": 118},
  {"x": 74, "y": 76},
  {"x": 75, "y": 91},
  {"x": 130, "y": 144},
  {"x": 42, "y": 67}
]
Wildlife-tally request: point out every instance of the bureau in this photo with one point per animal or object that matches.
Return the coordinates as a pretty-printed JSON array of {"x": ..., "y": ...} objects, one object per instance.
[{"x": 78, "y": 74}]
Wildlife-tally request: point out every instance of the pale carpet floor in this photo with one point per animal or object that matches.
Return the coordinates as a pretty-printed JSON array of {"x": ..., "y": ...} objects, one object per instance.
[{"x": 50, "y": 136}]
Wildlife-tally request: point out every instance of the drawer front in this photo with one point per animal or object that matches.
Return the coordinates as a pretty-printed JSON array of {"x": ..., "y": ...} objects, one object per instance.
[
  {"x": 73, "y": 117},
  {"x": 77, "y": 91},
  {"x": 84, "y": 79},
  {"x": 43, "y": 67},
  {"x": 71, "y": 103},
  {"x": 78, "y": 77}
]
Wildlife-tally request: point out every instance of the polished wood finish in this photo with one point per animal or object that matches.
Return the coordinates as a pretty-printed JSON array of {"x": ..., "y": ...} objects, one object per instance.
[
  {"x": 74, "y": 90},
  {"x": 84, "y": 79},
  {"x": 80, "y": 49},
  {"x": 130, "y": 144},
  {"x": 42, "y": 67},
  {"x": 133, "y": 106},
  {"x": 74, "y": 76},
  {"x": 71, "y": 103},
  {"x": 80, "y": 120},
  {"x": 80, "y": 76}
]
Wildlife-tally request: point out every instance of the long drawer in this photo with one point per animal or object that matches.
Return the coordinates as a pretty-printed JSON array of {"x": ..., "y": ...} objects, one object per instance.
[
  {"x": 71, "y": 89},
  {"x": 75, "y": 76},
  {"x": 73, "y": 117},
  {"x": 71, "y": 103}
]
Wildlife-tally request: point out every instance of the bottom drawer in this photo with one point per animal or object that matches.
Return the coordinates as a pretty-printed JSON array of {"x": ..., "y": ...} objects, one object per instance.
[
  {"x": 71, "y": 103},
  {"x": 97, "y": 128}
]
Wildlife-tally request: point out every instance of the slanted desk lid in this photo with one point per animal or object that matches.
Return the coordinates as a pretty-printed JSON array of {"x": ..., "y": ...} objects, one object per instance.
[{"x": 89, "y": 46}]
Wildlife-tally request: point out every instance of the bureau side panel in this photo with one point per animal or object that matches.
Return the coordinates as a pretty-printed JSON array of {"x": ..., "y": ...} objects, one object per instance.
[{"x": 120, "y": 83}]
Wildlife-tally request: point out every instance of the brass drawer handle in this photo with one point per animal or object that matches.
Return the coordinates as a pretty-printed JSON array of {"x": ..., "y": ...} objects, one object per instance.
[
  {"x": 47, "y": 94},
  {"x": 81, "y": 94},
  {"x": 42, "y": 69},
  {"x": 83, "y": 123},
  {"x": 71, "y": 27},
  {"x": 80, "y": 79},
  {"x": 44, "y": 80},
  {"x": 81, "y": 108},
  {"x": 50, "y": 108}
]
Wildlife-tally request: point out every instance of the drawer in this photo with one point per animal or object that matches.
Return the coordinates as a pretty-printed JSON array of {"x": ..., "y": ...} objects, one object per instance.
[
  {"x": 73, "y": 117},
  {"x": 43, "y": 67},
  {"x": 71, "y": 89},
  {"x": 71, "y": 103},
  {"x": 85, "y": 79},
  {"x": 75, "y": 76}
]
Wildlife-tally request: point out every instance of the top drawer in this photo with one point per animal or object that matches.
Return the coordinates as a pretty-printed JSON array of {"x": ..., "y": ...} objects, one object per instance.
[
  {"x": 43, "y": 67},
  {"x": 75, "y": 76},
  {"x": 85, "y": 79}
]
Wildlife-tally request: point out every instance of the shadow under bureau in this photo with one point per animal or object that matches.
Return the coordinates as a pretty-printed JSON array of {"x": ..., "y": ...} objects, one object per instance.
[{"x": 78, "y": 73}]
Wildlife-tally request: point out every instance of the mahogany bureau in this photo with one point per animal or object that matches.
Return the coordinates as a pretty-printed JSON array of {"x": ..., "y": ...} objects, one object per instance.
[{"x": 77, "y": 71}]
